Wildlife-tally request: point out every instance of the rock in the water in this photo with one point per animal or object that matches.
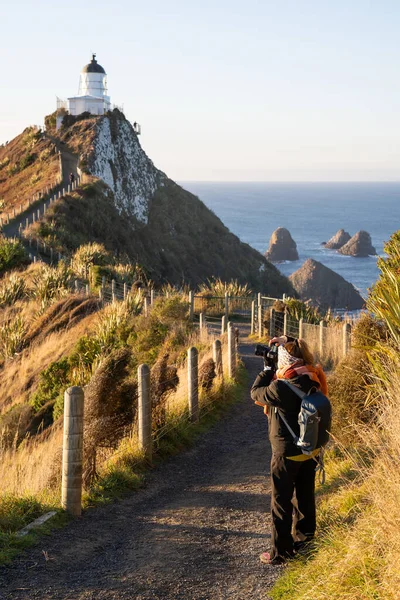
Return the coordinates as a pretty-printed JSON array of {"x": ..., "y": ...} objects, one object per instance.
[
  {"x": 281, "y": 246},
  {"x": 359, "y": 245},
  {"x": 325, "y": 288},
  {"x": 340, "y": 238}
]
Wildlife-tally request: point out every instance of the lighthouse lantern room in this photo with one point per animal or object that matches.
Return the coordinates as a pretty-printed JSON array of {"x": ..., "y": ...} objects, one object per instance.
[{"x": 92, "y": 95}]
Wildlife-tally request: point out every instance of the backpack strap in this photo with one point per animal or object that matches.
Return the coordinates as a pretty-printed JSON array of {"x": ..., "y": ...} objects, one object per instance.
[
  {"x": 292, "y": 433},
  {"x": 295, "y": 389},
  {"x": 278, "y": 411}
]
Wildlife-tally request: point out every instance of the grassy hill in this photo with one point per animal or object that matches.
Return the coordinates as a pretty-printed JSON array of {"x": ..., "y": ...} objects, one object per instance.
[
  {"x": 28, "y": 164},
  {"x": 137, "y": 212}
]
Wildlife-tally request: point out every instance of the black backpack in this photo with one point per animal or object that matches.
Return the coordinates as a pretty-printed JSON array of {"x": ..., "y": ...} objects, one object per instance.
[{"x": 315, "y": 419}]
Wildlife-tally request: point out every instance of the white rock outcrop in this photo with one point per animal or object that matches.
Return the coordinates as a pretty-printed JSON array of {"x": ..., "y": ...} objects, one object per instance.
[{"x": 118, "y": 159}]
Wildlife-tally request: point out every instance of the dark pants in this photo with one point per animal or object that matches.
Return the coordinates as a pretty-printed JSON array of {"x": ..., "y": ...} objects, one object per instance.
[{"x": 292, "y": 503}]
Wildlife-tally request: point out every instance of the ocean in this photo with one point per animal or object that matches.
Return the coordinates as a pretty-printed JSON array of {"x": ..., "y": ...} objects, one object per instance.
[{"x": 312, "y": 212}]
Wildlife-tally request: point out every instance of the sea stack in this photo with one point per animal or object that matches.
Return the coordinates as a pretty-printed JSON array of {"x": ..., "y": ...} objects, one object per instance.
[
  {"x": 340, "y": 238},
  {"x": 359, "y": 245},
  {"x": 281, "y": 246},
  {"x": 325, "y": 288}
]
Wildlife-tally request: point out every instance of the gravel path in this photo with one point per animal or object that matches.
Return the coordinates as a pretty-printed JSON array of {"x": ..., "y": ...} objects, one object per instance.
[{"x": 193, "y": 533}]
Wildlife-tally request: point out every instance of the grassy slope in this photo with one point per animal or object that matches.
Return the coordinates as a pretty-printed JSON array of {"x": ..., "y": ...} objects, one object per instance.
[
  {"x": 183, "y": 241},
  {"x": 17, "y": 187}
]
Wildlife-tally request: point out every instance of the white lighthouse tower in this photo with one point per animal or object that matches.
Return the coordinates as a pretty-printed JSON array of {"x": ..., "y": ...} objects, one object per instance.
[{"x": 92, "y": 95}]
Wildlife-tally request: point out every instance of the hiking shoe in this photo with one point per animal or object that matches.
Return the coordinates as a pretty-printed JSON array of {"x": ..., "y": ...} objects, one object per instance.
[
  {"x": 303, "y": 546},
  {"x": 266, "y": 558}
]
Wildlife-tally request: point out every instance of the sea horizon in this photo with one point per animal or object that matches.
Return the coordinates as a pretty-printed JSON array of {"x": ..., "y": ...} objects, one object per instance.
[{"x": 313, "y": 212}]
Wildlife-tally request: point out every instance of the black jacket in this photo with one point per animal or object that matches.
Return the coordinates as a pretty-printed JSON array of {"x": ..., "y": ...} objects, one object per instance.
[{"x": 277, "y": 393}]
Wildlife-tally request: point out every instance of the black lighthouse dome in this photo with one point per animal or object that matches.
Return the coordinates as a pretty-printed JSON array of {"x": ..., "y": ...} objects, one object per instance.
[{"x": 93, "y": 67}]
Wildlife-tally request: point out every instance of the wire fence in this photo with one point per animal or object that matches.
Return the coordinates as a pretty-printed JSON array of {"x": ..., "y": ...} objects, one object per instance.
[{"x": 188, "y": 396}]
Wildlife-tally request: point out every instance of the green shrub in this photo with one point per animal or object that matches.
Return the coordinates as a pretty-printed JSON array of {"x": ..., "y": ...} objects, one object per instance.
[
  {"x": 26, "y": 160},
  {"x": 302, "y": 310},
  {"x": 53, "y": 380},
  {"x": 17, "y": 512},
  {"x": 12, "y": 255}
]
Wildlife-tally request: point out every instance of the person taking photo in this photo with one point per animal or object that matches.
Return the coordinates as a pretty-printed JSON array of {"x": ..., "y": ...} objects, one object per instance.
[{"x": 292, "y": 472}]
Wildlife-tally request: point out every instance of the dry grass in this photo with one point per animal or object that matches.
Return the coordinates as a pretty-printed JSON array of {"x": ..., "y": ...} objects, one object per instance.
[
  {"x": 331, "y": 351},
  {"x": 20, "y": 376},
  {"x": 35, "y": 466},
  {"x": 18, "y": 187}
]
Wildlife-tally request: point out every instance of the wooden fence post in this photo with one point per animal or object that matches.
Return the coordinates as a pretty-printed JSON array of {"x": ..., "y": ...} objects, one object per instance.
[
  {"x": 271, "y": 323},
  {"x": 71, "y": 488},
  {"x": 253, "y": 316},
  {"x": 193, "y": 383},
  {"x": 223, "y": 324},
  {"x": 301, "y": 322},
  {"x": 259, "y": 319},
  {"x": 113, "y": 293},
  {"x": 285, "y": 320},
  {"x": 322, "y": 330},
  {"x": 231, "y": 351},
  {"x": 125, "y": 291},
  {"x": 201, "y": 323},
  {"x": 346, "y": 338},
  {"x": 226, "y": 306},
  {"x": 217, "y": 357},
  {"x": 152, "y": 296},
  {"x": 144, "y": 411},
  {"x": 146, "y": 306},
  {"x": 191, "y": 305}
]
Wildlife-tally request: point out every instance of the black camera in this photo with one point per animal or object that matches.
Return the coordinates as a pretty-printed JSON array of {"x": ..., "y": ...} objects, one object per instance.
[{"x": 269, "y": 353}]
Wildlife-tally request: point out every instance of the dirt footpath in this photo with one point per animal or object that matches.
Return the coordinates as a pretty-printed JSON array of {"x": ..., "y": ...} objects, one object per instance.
[{"x": 193, "y": 533}]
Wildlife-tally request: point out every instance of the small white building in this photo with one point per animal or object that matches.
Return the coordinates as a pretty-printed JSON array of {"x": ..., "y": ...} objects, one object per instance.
[{"x": 92, "y": 95}]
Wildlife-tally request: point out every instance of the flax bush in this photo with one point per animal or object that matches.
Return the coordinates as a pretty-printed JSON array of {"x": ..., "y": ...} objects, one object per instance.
[
  {"x": 217, "y": 287},
  {"x": 51, "y": 283},
  {"x": 11, "y": 337},
  {"x": 88, "y": 255},
  {"x": 12, "y": 289}
]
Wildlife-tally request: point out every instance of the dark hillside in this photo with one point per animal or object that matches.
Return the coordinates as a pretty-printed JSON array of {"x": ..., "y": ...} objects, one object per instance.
[{"x": 132, "y": 207}]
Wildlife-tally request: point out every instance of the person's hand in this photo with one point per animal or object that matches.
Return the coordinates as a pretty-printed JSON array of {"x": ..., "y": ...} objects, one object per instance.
[
  {"x": 278, "y": 340},
  {"x": 266, "y": 410}
]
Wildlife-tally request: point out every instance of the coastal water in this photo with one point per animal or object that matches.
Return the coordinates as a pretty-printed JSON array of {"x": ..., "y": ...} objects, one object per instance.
[{"x": 312, "y": 212}]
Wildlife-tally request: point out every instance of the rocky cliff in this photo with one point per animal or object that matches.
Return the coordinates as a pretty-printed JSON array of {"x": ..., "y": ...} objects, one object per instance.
[
  {"x": 340, "y": 238},
  {"x": 359, "y": 245},
  {"x": 281, "y": 246},
  {"x": 137, "y": 211},
  {"x": 325, "y": 288}
]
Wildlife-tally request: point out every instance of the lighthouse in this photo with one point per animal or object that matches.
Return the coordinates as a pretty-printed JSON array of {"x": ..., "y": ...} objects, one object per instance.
[{"x": 92, "y": 94}]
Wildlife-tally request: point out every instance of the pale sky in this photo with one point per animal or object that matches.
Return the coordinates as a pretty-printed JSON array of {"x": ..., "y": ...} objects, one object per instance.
[{"x": 289, "y": 90}]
